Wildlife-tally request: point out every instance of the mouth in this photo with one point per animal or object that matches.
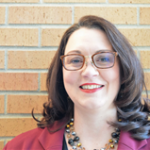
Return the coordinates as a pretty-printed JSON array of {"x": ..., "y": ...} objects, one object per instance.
[{"x": 90, "y": 87}]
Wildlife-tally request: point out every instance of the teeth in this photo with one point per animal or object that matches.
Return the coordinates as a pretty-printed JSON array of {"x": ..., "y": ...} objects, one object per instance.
[{"x": 91, "y": 86}]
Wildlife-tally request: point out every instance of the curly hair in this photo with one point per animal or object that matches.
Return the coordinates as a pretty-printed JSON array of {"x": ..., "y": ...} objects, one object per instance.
[{"x": 130, "y": 109}]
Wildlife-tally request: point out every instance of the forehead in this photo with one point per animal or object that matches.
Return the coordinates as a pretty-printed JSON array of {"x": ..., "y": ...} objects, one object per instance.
[{"x": 88, "y": 40}]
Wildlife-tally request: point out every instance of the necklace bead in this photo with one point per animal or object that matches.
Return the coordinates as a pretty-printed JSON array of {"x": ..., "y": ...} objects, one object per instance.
[
  {"x": 74, "y": 147},
  {"x": 114, "y": 135},
  {"x": 73, "y": 139},
  {"x": 73, "y": 133},
  {"x": 67, "y": 130},
  {"x": 70, "y": 141},
  {"x": 76, "y": 139}
]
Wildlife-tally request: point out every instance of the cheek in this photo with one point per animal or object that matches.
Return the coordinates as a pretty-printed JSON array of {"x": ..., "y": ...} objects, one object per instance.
[
  {"x": 112, "y": 75},
  {"x": 68, "y": 78}
]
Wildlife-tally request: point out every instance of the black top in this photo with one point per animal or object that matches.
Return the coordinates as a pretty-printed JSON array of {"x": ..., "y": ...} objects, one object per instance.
[{"x": 64, "y": 144}]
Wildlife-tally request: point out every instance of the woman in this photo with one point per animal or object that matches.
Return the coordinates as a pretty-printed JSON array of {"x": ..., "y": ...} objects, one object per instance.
[{"x": 95, "y": 82}]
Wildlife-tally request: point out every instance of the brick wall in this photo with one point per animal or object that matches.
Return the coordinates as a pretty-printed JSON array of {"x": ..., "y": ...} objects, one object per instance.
[{"x": 30, "y": 31}]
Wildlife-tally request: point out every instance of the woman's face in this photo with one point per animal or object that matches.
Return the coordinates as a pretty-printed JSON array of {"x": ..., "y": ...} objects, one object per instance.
[{"x": 87, "y": 42}]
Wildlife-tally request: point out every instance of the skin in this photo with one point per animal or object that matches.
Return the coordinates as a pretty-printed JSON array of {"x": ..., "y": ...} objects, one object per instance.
[{"x": 92, "y": 110}]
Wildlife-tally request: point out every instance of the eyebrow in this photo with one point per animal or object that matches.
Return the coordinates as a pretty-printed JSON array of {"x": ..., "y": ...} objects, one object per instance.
[
  {"x": 79, "y": 52},
  {"x": 74, "y": 51}
]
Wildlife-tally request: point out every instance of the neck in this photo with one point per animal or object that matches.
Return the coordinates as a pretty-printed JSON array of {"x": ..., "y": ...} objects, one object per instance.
[
  {"x": 93, "y": 128},
  {"x": 94, "y": 119}
]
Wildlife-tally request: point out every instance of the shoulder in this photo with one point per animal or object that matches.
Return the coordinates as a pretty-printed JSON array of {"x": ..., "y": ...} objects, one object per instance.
[
  {"x": 127, "y": 142},
  {"x": 39, "y": 139},
  {"x": 24, "y": 139}
]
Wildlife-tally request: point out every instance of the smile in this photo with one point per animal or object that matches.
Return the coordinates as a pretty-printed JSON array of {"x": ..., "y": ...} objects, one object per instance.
[{"x": 91, "y": 86}]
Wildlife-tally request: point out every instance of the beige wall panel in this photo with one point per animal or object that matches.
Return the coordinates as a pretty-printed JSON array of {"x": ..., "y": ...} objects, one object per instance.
[
  {"x": 116, "y": 15},
  {"x": 18, "y": 37},
  {"x": 130, "y": 1},
  {"x": 25, "y": 103},
  {"x": 75, "y": 1},
  {"x": 30, "y": 59},
  {"x": 19, "y": 81},
  {"x": 137, "y": 37},
  {"x": 15, "y": 126},
  {"x": 52, "y": 37},
  {"x": 2, "y": 59},
  {"x": 2, "y": 15},
  {"x": 40, "y": 15}
]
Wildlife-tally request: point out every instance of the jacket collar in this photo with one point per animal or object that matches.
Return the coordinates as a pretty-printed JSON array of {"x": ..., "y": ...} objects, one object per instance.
[
  {"x": 52, "y": 141},
  {"x": 126, "y": 142}
]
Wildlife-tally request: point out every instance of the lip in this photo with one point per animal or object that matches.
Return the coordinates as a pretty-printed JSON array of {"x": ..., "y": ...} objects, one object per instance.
[
  {"x": 90, "y": 84},
  {"x": 90, "y": 90}
]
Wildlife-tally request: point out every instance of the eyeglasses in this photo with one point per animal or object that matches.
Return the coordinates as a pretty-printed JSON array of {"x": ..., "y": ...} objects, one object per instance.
[{"x": 102, "y": 60}]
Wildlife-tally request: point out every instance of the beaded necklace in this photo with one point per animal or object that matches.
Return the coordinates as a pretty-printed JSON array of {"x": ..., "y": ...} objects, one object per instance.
[{"x": 74, "y": 140}]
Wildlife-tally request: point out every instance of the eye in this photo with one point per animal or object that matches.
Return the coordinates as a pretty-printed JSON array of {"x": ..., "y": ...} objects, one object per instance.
[
  {"x": 75, "y": 60},
  {"x": 104, "y": 59}
]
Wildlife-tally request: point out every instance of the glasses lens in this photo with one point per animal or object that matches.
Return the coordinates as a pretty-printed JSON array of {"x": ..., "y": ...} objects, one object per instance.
[
  {"x": 73, "y": 62},
  {"x": 104, "y": 60}
]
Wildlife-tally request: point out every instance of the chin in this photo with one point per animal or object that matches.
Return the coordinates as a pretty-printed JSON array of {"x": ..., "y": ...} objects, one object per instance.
[{"x": 93, "y": 105}]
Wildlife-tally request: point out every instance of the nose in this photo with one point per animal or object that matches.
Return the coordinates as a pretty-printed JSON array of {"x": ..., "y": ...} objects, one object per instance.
[{"x": 89, "y": 69}]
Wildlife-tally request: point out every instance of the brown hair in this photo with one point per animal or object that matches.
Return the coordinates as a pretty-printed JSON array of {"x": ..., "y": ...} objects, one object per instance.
[{"x": 128, "y": 102}]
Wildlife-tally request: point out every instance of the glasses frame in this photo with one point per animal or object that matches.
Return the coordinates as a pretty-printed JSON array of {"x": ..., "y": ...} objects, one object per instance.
[{"x": 105, "y": 51}]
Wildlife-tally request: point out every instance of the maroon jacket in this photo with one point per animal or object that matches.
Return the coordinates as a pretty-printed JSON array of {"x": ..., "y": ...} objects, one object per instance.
[{"x": 41, "y": 139}]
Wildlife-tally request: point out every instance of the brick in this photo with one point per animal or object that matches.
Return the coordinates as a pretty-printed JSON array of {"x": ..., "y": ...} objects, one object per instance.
[
  {"x": 18, "y": 37},
  {"x": 144, "y": 58},
  {"x": 1, "y": 103},
  {"x": 74, "y": 1},
  {"x": 52, "y": 37},
  {"x": 1, "y": 145},
  {"x": 30, "y": 59},
  {"x": 26, "y": 103},
  {"x": 137, "y": 37},
  {"x": 43, "y": 81},
  {"x": 117, "y": 15},
  {"x": 2, "y": 59},
  {"x": 19, "y": 1},
  {"x": 145, "y": 15},
  {"x": 147, "y": 80},
  {"x": 130, "y": 1},
  {"x": 40, "y": 15},
  {"x": 19, "y": 81},
  {"x": 2, "y": 15},
  {"x": 15, "y": 126}
]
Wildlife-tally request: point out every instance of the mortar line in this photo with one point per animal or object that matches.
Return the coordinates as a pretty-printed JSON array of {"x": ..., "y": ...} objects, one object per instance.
[
  {"x": 24, "y": 70},
  {"x": 20, "y": 116},
  {"x": 14, "y": 48},
  {"x": 63, "y": 26},
  {"x": 76, "y": 4},
  {"x": 35, "y": 26},
  {"x": 138, "y": 54},
  {"x": 42, "y": 93},
  {"x": 6, "y": 138}
]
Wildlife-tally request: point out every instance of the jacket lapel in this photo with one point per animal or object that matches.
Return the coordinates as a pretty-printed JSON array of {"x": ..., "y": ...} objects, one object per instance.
[
  {"x": 126, "y": 142},
  {"x": 52, "y": 141}
]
